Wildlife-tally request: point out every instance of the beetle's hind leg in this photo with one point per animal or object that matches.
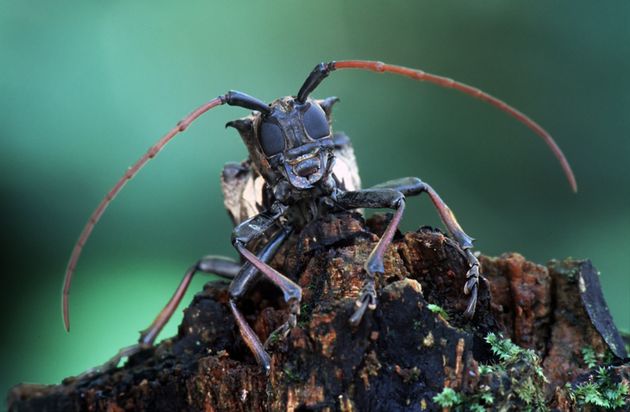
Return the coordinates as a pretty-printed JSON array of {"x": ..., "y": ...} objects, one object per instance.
[
  {"x": 221, "y": 266},
  {"x": 411, "y": 186}
]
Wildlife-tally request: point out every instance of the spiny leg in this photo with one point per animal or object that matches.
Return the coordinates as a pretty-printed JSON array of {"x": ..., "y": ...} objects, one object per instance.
[
  {"x": 411, "y": 186},
  {"x": 374, "y": 198},
  {"x": 221, "y": 266},
  {"x": 247, "y": 231},
  {"x": 217, "y": 265}
]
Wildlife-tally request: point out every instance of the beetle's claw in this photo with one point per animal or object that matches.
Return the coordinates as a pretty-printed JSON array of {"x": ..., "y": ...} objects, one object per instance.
[
  {"x": 367, "y": 300},
  {"x": 472, "y": 284},
  {"x": 472, "y": 302},
  {"x": 356, "y": 317},
  {"x": 282, "y": 332},
  {"x": 471, "y": 288},
  {"x": 472, "y": 279}
]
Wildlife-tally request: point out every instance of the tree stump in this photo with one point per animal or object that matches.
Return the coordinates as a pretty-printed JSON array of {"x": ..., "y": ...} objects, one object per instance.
[{"x": 401, "y": 356}]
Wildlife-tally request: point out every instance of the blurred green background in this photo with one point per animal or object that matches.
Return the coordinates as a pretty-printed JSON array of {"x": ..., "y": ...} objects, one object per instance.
[{"x": 87, "y": 86}]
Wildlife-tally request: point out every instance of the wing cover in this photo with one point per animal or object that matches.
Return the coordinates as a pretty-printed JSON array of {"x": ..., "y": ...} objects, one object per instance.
[
  {"x": 242, "y": 191},
  {"x": 345, "y": 169}
]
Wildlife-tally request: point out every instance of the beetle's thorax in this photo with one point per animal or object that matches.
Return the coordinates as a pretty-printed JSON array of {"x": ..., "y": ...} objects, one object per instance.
[{"x": 303, "y": 206}]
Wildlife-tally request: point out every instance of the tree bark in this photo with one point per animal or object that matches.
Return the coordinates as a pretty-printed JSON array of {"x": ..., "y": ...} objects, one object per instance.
[{"x": 401, "y": 355}]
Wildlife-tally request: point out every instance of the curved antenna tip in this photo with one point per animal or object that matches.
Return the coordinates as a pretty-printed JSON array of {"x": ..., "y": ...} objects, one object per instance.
[
  {"x": 66, "y": 318},
  {"x": 129, "y": 173},
  {"x": 441, "y": 81},
  {"x": 566, "y": 168}
]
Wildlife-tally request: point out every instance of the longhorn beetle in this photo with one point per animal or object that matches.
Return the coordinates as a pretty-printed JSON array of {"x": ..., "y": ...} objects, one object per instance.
[{"x": 298, "y": 171}]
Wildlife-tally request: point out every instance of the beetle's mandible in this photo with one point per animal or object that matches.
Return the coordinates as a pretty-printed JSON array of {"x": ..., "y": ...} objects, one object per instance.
[{"x": 299, "y": 170}]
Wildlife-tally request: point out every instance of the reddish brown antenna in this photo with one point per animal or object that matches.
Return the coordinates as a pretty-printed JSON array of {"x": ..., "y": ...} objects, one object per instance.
[
  {"x": 232, "y": 98},
  {"x": 129, "y": 174},
  {"x": 322, "y": 70}
]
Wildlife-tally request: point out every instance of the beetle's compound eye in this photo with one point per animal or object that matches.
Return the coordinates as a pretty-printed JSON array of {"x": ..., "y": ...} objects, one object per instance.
[
  {"x": 315, "y": 122},
  {"x": 271, "y": 138}
]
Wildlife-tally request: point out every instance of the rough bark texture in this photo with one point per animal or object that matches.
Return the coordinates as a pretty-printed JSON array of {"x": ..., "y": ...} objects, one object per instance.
[{"x": 398, "y": 359}]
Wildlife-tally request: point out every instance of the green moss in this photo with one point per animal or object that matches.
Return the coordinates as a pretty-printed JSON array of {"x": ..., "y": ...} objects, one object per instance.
[
  {"x": 438, "y": 310},
  {"x": 487, "y": 397},
  {"x": 475, "y": 407},
  {"x": 477, "y": 402},
  {"x": 510, "y": 354},
  {"x": 290, "y": 374},
  {"x": 589, "y": 356},
  {"x": 306, "y": 313},
  {"x": 518, "y": 372},
  {"x": 600, "y": 391},
  {"x": 448, "y": 398},
  {"x": 592, "y": 358},
  {"x": 516, "y": 380}
]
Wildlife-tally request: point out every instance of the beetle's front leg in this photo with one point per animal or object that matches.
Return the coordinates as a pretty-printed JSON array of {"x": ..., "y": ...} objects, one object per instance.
[
  {"x": 411, "y": 186},
  {"x": 373, "y": 198},
  {"x": 243, "y": 234}
]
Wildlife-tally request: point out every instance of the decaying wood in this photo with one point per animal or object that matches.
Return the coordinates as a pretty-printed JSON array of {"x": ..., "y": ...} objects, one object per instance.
[{"x": 400, "y": 356}]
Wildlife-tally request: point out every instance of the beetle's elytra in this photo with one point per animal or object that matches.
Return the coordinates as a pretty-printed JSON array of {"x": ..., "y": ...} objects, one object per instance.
[{"x": 299, "y": 170}]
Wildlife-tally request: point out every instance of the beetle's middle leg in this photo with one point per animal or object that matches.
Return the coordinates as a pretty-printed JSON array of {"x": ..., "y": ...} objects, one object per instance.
[
  {"x": 411, "y": 186},
  {"x": 373, "y": 198},
  {"x": 243, "y": 234}
]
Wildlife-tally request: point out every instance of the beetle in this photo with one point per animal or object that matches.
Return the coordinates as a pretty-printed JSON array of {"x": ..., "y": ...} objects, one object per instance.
[{"x": 297, "y": 171}]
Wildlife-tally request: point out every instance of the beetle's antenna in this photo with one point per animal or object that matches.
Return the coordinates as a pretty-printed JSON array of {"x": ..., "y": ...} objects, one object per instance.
[
  {"x": 322, "y": 70},
  {"x": 232, "y": 98}
]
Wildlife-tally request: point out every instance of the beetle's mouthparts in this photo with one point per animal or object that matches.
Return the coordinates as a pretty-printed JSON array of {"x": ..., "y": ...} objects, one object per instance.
[
  {"x": 302, "y": 158},
  {"x": 306, "y": 164},
  {"x": 306, "y": 167}
]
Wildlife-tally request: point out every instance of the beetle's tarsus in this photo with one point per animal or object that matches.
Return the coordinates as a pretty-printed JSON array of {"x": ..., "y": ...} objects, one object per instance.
[
  {"x": 281, "y": 332},
  {"x": 472, "y": 301},
  {"x": 472, "y": 283},
  {"x": 472, "y": 279},
  {"x": 356, "y": 317},
  {"x": 378, "y": 197},
  {"x": 367, "y": 300},
  {"x": 114, "y": 361}
]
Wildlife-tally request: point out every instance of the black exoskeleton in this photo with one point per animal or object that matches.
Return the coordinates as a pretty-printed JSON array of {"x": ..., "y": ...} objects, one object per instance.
[{"x": 297, "y": 171}]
